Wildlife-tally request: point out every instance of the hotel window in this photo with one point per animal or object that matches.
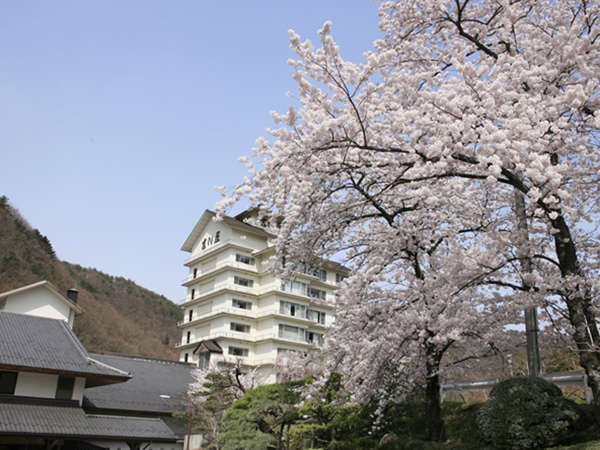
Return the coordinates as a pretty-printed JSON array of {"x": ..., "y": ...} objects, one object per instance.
[
  {"x": 290, "y": 332},
  {"x": 240, "y": 327},
  {"x": 292, "y": 309},
  {"x": 64, "y": 388},
  {"x": 320, "y": 274},
  {"x": 243, "y": 281},
  {"x": 188, "y": 337},
  {"x": 185, "y": 357},
  {"x": 339, "y": 277},
  {"x": 316, "y": 293},
  {"x": 285, "y": 350},
  {"x": 8, "y": 381},
  {"x": 190, "y": 315},
  {"x": 294, "y": 287},
  {"x": 238, "y": 351},
  {"x": 236, "y": 303},
  {"x": 217, "y": 237},
  {"x": 195, "y": 272},
  {"x": 203, "y": 244},
  {"x": 314, "y": 338},
  {"x": 193, "y": 293},
  {"x": 244, "y": 259},
  {"x": 316, "y": 316}
]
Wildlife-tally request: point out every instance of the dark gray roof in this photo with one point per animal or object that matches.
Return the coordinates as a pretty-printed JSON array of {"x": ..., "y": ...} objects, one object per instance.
[
  {"x": 152, "y": 378},
  {"x": 209, "y": 345},
  {"x": 49, "y": 345},
  {"x": 43, "y": 420}
]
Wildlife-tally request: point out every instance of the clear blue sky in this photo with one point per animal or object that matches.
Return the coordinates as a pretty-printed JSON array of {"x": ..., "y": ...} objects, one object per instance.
[{"x": 117, "y": 118}]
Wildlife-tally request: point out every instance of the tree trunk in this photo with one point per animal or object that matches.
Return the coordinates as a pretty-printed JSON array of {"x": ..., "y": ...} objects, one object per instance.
[
  {"x": 435, "y": 424},
  {"x": 280, "y": 438},
  {"x": 579, "y": 303}
]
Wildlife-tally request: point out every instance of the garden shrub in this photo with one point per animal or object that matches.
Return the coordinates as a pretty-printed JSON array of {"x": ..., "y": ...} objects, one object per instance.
[{"x": 526, "y": 412}]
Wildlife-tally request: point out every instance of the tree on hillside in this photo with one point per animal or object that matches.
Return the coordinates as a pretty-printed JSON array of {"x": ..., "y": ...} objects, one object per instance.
[{"x": 460, "y": 100}]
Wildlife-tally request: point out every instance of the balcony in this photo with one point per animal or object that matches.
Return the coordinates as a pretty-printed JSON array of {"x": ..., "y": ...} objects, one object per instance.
[
  {"x": 229, "y": 263},
  {"x": 249, "y": 314},
  {"x": 248, "y": 337}
]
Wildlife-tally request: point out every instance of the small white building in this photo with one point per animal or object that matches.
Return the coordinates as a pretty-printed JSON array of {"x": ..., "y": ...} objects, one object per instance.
[
  {"x": 236, "y": 311},
  {"x": 41, "y": 299}
]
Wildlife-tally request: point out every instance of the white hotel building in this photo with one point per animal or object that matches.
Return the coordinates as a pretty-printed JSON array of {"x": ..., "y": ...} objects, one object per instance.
[{"x": 236, "y": 310}]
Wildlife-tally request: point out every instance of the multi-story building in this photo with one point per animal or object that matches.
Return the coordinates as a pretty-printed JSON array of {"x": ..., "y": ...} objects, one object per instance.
[{"x": 236, "y": 311}]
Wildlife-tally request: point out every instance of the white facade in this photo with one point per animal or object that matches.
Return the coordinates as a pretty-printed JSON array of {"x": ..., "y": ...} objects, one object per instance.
[
  {"x": 41, "y": 300},
  {"x": 232, "y": 298},
  {"x": 43, "y": 385}
]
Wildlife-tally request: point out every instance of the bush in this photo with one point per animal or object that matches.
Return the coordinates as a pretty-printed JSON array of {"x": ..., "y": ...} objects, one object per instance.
[{"x": 526, "y": 412}]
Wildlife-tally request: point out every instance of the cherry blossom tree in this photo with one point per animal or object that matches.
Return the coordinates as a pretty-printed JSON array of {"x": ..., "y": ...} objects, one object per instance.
[{"x": 461, "y": 106}]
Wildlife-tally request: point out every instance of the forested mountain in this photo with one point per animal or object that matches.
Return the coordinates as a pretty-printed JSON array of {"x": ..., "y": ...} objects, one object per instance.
[{"x": 118, "y": 315}]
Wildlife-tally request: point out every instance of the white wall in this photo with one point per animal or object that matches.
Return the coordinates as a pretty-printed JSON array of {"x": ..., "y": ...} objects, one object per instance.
[
  {"x": 209, "y": 231},
  {"x": 248, "y": 240},
  {"x": 78, "y": 388},
  {"x": 39, "y": 302},
  {"x": 41, "y": 385}
]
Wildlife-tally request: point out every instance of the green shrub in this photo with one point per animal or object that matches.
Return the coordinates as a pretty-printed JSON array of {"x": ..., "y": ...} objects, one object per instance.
[{"x": 526, "y": 412}]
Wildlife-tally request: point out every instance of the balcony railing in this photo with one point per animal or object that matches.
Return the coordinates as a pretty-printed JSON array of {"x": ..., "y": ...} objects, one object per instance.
[
  {"x": 249, "y": 337},
  {"x": 225, "y": 263},
  {"x": 249, "y": 314}
]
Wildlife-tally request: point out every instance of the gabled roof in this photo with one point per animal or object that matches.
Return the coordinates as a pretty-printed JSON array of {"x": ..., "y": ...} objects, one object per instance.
[
  {"x": 46, "y": 284},
  {"x": 73, "y": 422},
  {"x": 39, "y": 344},
  {"x": 209, "y": 345},
  {"x": 158, "y": 386},
  {"x": 231, "y": 221}
]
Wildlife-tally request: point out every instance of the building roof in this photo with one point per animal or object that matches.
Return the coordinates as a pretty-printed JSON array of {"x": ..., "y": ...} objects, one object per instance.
[
  {"x": 209, "y": 345},
  {"x": 73, "y": 422},
  {"x": 39, "y": 344},
  {"x": 158, "y": 386},
  {"x": 46, "y": 284},
  {"x": 231, "y": 221}
]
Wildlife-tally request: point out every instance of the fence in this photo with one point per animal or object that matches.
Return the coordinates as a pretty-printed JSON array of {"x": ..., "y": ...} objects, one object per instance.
[{"x": 577, "y": 378}]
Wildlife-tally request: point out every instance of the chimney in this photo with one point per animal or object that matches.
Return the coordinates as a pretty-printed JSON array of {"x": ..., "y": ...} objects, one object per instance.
[{"x": 72, "y": 294}]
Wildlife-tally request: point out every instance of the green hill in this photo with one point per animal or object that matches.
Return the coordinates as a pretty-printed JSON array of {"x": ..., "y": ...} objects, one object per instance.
[{"x": 118, "y": 315}]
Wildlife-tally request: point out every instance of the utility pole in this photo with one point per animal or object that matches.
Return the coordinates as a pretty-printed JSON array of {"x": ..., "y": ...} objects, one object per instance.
[{"x": 534, "y": 361}]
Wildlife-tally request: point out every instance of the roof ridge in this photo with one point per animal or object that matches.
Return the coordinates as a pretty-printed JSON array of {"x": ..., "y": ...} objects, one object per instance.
[
  {"x": 109, "y": 416},
  {"x": 139, "y": 357},
  {"x": 74, "y": 339},
  {"x": 107, "y": 366}
]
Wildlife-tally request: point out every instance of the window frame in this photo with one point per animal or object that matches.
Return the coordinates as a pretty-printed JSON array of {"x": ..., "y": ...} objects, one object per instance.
[
  {"x": 239, "y": 327},
  {"x": 240, "y": 302},
  {"x": 232, "y": 350},
  {"x": 244, "y": 282},
  {"x": 8, "y": 374},
  {"x": 245, "y": 259},
  {"x": 64, "y": 388}
]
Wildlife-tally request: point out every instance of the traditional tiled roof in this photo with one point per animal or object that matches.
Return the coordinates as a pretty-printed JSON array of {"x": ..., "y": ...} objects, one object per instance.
[
  {"x": 73, "y": 422},
  {"x": 209, "y": 345},
  {"x": 158, "y": 386},
  {"x": 39, "y": 344}
]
